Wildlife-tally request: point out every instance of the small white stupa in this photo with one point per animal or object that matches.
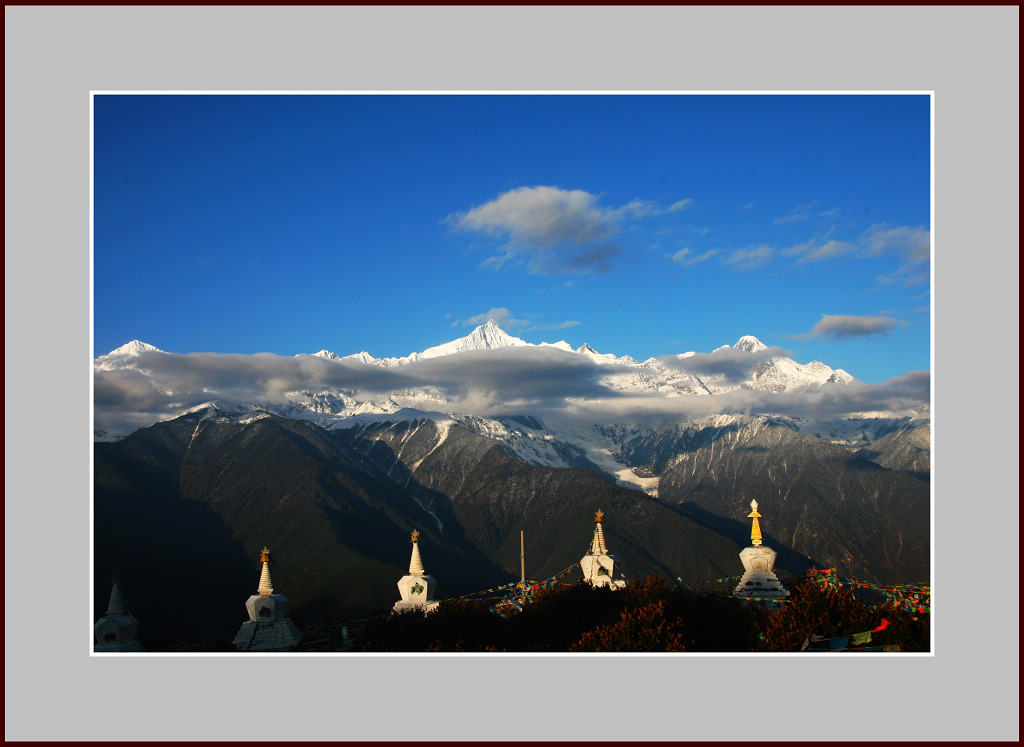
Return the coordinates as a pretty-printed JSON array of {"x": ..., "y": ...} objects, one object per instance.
[
  {"x": 267, "y": 628},
  {"x": 759, "y": 579},
  {"x": 115, "y": 631},
  {"x": 416, "y": 588},
  {"x": 597, "y": 565}
]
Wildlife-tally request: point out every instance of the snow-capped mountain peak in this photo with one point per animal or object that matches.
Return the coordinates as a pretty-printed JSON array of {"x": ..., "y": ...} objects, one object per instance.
[
  {"x": 839, "y": 376},
  {"x": 124, "y": 356},
  {"x": 133, "y": 348},
  {"x": 485, "y": 337},
  {"x": 362, "y": 356},
  {"x": 750, "y": 343}
]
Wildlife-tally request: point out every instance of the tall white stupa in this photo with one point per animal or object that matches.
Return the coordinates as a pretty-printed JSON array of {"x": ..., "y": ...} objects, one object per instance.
[
  {"x": 597, "y": 565},
  {"x": 759, "y": 579},
  {"x": 417, "y": 587},
  {"x": 267, "y": 629},
  {"x": 116, "y": 630}
]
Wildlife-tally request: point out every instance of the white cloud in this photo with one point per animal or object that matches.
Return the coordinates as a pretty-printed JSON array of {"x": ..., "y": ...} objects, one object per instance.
[
  {"x": 686, "y": 257},
  {"x": 749, "y": 259},
  {"x": 543, "y": 216},
  {"x": 911, "y": 245},
  {"x": 731, "y": 363},
  {"x": 797, "y": 215},
  {"x": 553, "y": 230},
  {"x": 498, "y": 315},
  {"x": 805, "y": 212},
  {"x": 814, "y": 251},
  {"x": 791, "y": 218},
  {"x": 902, "y": 395},
  {"x": 542, "y": 327},
  {"x": 840, "y": 326},
  {"x": 504, "y": 318},
  {"x": 650, "y": 208}
]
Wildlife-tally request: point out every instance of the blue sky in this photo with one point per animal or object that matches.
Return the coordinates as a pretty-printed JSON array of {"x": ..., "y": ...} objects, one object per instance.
[{"x": 642, "y": 225}]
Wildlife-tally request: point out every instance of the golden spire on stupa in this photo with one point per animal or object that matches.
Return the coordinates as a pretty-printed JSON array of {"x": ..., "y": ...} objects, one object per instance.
[
  {"x": 415, "y": 563},
  {"x": 266, "y": 588},
  {"x": 755, "y": 530},
  {"x": 597, "y": 546}
]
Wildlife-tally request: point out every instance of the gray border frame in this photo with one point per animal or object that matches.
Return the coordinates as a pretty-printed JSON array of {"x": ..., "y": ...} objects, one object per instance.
[{"x": 55, "y": 56}]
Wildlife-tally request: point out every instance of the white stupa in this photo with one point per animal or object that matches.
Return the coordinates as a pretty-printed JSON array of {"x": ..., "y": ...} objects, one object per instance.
[
  {"x": 759, "y": 579},
  {"x": 115, "y": 631},
  {"x": 597, "y": 565},
  {"x": 416, "y": 588},
  {"x": 267, "y": 628}
]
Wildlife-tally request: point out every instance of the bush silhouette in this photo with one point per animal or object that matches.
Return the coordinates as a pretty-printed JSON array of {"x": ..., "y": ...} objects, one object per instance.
[
  {"x": 646, "y": 628},
  {"x": 455, "y": 625},
  {"x": 833, "y": 611},
  {"x": 557, "y": 617},
  {"x": 648, "y": 615}
]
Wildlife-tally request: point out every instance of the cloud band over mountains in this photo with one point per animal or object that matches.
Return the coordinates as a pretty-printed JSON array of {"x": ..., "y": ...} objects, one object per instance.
[
  {"x": 732, "y": 364},
  {"x": 547, "y": 382}
]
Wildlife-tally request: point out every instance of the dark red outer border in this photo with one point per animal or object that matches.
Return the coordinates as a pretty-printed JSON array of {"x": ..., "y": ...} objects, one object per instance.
[
  {"x": 925, "y": 743},
  {"x": 526, "y": 744},
  {"x": 510, "y": 3}
]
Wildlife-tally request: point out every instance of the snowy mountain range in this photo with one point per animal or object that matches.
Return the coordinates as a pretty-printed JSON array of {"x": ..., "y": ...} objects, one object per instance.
[
  {"x": 747, "y": 365},
  {"x": 665, "y": 375},
  {"x": 669, "y": 375},
  {"x": 725, "y": 381}
]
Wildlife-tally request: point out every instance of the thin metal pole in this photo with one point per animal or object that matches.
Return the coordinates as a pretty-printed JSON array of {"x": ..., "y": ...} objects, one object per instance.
[{"x": 522, "y": 556}]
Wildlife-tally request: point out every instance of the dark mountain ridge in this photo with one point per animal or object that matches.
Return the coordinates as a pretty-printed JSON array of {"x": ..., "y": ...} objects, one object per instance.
[
  {"x": 838, "y": 508},
  {"x": 187, "y": 504}
]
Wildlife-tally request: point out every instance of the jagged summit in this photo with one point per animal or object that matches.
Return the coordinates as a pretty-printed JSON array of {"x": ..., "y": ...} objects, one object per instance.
[
  {"x": 485, "y": 337},
  {"x": 124, "y": 356},
  {"x": 206, "y": 408},
  {"x": 750, "y": 343},
  {"x": 133, "y": 348},
  {"x": 362, "y": 356},
  {"x": 839, "y": 376},
  {"x": 585, "y": 348}
]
